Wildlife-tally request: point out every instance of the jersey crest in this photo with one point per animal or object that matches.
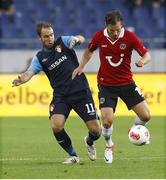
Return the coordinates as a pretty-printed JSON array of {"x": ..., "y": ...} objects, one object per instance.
[
  {"x": 122, "y": 46},
  {"x": 58, "y": 48}
]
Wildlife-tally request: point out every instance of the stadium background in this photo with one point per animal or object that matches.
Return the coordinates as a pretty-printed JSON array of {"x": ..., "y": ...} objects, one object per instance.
[{"x": 18, "y": 44}]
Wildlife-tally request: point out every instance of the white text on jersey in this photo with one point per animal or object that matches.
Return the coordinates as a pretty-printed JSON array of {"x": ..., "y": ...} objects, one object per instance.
[{"x": 56, "y": 63}]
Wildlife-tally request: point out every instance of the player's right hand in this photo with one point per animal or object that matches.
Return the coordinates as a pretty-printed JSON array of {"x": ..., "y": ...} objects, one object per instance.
[
  {"x": 17, "y": 82},
  {"x": 77, "y": 71},
  {"x": 73, "y": 42}
]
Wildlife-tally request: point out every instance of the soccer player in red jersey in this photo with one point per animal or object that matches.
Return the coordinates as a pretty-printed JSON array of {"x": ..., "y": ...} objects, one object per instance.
[{"x": 114, "y": 77}]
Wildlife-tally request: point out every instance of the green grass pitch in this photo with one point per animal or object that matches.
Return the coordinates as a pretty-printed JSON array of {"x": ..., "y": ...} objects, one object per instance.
[{"x": 28, "y": 150}]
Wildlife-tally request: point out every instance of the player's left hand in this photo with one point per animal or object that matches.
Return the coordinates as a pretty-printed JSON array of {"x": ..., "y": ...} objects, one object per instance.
[{"x": 139, "y": 63}]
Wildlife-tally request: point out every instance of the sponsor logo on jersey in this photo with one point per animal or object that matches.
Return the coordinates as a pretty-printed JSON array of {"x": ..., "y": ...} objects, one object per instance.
[
  {"x": 122, "y": 46},
  {"x": 56, "y": 63},
  {"x": 109, "y": 58}
]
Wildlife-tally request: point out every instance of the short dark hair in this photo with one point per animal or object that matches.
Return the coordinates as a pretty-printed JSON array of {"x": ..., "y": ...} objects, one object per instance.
[
  {"x": 41, "y": 25},
  {"x": 112, "y": 17}
]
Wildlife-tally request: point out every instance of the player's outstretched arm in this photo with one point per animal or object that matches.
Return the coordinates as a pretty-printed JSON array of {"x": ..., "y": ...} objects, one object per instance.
[
  {"x": 146, "y": 58},
  {"x": 85, "y": 58},
  {"x": 23, "y": 78}
]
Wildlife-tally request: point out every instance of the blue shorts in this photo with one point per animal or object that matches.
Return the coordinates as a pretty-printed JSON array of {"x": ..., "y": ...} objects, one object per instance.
[{"x": 81, "y": 102}]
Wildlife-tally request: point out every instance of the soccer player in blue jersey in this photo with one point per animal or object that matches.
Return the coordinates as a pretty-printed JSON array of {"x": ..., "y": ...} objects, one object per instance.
[{"x": 58, "y": 60}]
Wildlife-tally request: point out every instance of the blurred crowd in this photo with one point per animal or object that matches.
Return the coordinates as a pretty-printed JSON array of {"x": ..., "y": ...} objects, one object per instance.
[{"x": 18, "y": 17}]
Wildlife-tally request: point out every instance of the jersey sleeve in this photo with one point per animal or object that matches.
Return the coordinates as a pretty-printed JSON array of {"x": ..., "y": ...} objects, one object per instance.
[
  {"x": 67, "y": 40},
  {"x": 35, "y": 65},
  {"x": 138, "y": 46},
  {"x": 93, "y": 45}
]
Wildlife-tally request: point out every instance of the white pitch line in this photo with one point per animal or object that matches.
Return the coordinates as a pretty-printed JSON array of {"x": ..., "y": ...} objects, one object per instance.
[{"x": 50, "y": 159}]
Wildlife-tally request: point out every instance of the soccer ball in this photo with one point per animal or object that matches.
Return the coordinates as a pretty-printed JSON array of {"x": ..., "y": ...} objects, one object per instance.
[{"x": 139, "y": 135}]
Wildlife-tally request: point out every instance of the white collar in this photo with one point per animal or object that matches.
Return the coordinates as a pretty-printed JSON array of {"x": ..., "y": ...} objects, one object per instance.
[{"x": 120, "y": 35}]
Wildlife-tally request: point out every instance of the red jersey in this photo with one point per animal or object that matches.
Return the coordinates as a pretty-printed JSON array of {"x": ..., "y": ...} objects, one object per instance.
[{"x": 115, "y": 57}]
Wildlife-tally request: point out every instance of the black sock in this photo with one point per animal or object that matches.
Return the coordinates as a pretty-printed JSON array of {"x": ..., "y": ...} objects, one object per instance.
[
  {"x": 65, "y": 142},
  {"x": 91, "y": 138}
]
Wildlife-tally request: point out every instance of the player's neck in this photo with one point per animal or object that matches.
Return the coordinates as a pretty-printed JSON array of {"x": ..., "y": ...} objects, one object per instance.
[
  {"x": 109, "y": 36},
  {"x": 47, "y": 49}
]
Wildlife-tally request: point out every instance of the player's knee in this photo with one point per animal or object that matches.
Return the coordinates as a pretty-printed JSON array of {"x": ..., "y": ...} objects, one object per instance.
[
  {"x": 107, "y": 122},
  {"x": 96, "y": 129},
  {"x": 97, "y": 133},
  {"x": 57, "y": 123},
  {"x": 56, "y": 129}
]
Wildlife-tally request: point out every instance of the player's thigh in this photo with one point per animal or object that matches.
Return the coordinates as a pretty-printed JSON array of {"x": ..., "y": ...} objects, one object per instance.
[
  {"x": 131, "y": 95},
  {"x": 108, "y": 97},
  {"x": 59, "y": 111},
  {"x": 59, "y": 106},
  {"x": 84, "y": 106},
  {"x": 142, "y": 110}
]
